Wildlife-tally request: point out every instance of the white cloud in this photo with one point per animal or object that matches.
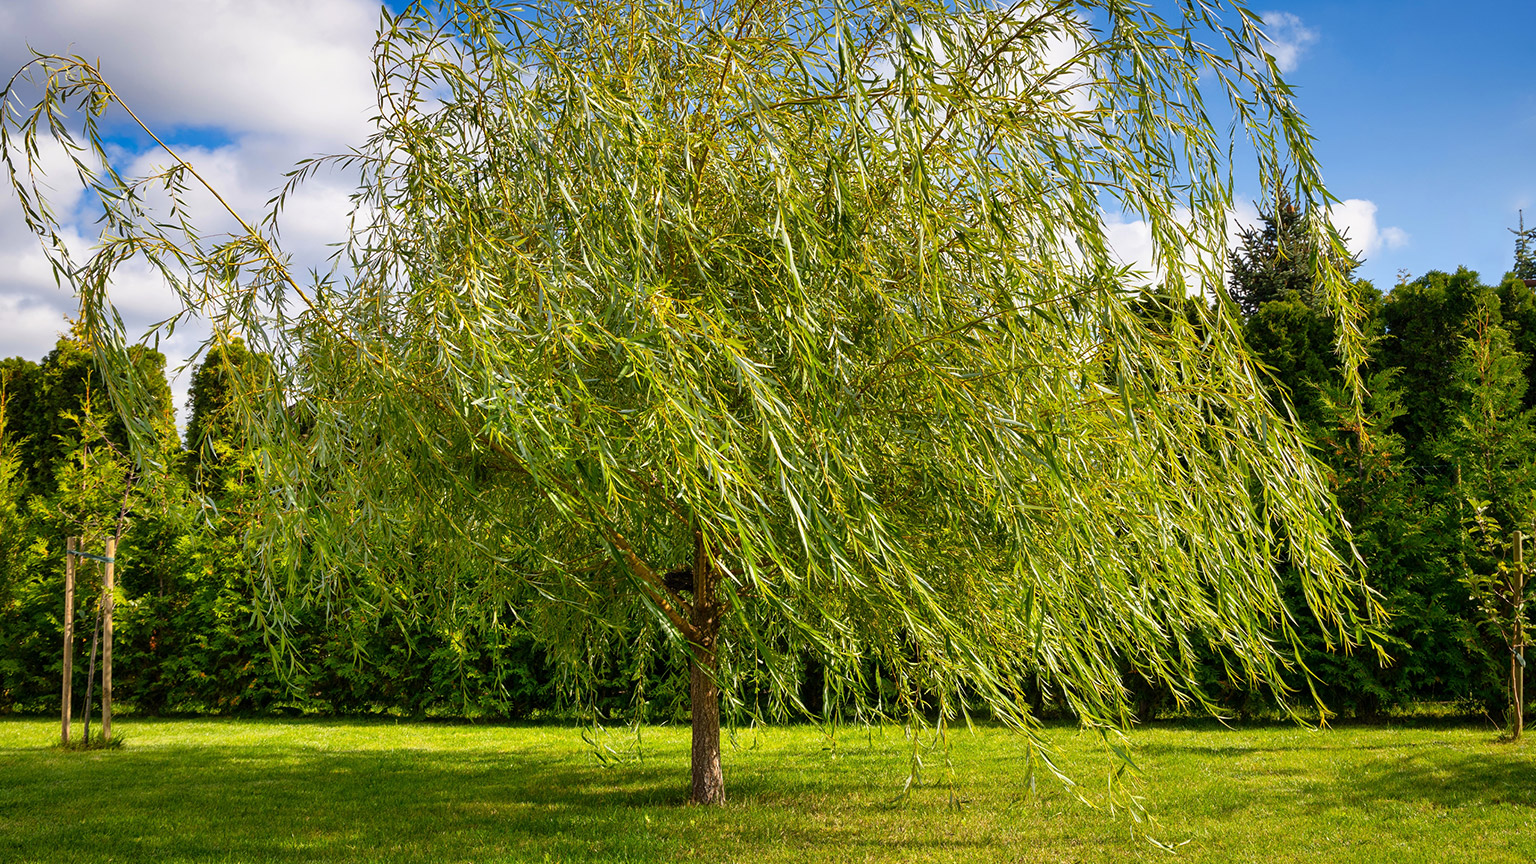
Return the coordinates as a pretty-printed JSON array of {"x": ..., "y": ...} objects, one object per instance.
[
  {"x": 32, "y": 307},
  {"x": 1056, "y": 53},
  {"x": 1131, "y": 242},
  {"x": 246, "y": 174},
  {"x": 1356, "y": 220},
  {"x": 30, "y": 325},
  {"x": 1286, "y": 39},
  {"x": 294, "y": 68},
  {"x": 271, "y": 81}
]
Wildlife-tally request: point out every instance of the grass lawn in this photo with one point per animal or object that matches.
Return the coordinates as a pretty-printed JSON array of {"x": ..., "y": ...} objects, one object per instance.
[{"x": 328, "y": 790}]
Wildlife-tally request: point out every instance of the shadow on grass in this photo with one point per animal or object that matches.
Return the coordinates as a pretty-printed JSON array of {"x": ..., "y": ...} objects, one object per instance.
[
  {"x": 1345, "y": 771},
  {"x": 1464, "y": 779},
  {"x": 328, "y": 791},
  {"x": 277, "y": 802}
]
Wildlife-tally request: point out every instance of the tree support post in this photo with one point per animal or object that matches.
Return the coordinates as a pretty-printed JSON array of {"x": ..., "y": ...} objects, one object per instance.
[
  {"x": 70, "y": 547},
  {"x": 106, "y": 641},
  {"x": 1517, "y": 639}
]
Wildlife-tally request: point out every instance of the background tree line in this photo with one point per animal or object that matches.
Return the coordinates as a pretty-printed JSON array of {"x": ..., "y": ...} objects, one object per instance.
[
  {"x": 1442, "y": 455},
  {"x": 1440, "y": 461}
]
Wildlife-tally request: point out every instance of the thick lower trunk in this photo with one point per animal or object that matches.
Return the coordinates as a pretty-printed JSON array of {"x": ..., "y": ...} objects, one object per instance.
[
  {"x": 703, "y": 689},
  {"x": 708, "y": 780}
]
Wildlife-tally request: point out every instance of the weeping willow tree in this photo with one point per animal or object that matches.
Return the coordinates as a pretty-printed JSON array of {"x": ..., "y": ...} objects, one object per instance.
[{"x": 787, "y": 328}]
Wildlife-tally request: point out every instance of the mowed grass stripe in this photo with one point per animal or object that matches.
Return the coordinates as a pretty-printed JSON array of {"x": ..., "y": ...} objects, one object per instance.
[{"x": 355, "y": 791}]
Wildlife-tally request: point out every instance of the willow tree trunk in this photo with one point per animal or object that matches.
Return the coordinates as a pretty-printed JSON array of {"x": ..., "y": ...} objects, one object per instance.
[{"x": 703, "y": 687}]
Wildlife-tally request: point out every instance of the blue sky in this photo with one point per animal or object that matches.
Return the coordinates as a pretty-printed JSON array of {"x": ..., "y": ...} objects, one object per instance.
[
  {"x": 1424, "y": 113},
  {"x": 1429, "y": 111}
]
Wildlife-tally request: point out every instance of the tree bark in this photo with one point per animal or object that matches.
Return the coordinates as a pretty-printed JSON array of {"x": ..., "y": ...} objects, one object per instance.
[
  {"x": 708, "y": 779},
  {"x": 703, "y": 690}
]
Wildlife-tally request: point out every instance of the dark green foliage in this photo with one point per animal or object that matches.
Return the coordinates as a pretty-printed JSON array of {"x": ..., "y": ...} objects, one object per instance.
[
  {"x": 1296, "y": 343},
  {"x": 1517, "y": 309},
  {"x": 1428, "y": 319},
  {"x": 1447, "y": 370},
  {"x": 1271, "y": 262},
  {"x": 1446, "y": 417},
  {"x": 22, "y": 381},
  {"x": 212, "y": 419},
  {"x": 187, "y": 638},
  {"x": 1398, "y": 533},
  {"x": 1394, "y": 467},
  {"x": 51, "y": 398},
  {"x": 16, "y": 541},
  {"x": 188, "y": 641},
  {"x": 1295, "y": 338},
  {"x": 1277, "y": 260}
]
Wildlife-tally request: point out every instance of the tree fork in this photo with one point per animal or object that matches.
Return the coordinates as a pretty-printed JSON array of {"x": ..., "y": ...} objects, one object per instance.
[{"x": 703, "y": 688}]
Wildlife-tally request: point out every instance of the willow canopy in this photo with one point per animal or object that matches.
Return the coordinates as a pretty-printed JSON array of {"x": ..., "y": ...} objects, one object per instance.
[{"x": 789, "y": 328}]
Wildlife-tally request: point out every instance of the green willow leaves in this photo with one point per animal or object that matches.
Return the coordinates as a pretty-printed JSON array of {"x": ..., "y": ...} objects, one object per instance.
[{"x": 815, "y": 297}]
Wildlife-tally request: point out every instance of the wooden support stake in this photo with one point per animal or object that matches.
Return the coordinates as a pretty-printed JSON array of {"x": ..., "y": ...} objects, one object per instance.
[
  {"x": 1517, "y": 641},
  {"x": 106, "y": 642},
  {"x": 69, "y": 638}
]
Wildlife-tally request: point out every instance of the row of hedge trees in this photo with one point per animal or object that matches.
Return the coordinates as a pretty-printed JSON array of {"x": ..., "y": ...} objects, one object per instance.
[
  {"x": 1447, "y": 430},
  {"x": 1446, "y": 442}
]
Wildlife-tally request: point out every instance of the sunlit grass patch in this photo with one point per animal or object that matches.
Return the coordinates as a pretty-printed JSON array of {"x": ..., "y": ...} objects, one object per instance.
[{"x": 344, "y": 791}]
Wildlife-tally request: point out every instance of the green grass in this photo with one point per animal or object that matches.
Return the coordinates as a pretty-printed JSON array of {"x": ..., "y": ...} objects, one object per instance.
[{"x": 325, "y": 790}]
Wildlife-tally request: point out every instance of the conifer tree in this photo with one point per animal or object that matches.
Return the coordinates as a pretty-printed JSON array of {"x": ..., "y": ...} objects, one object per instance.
[
  {"x": 1273, "y": 260},
  {"x": 213, "y": 420},
  {"x": 1525, "y": 252},
  {"x": 1490, "y": 444}
]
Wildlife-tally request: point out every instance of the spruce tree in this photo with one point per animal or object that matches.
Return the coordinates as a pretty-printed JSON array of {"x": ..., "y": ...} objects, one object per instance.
[
  {"x": 1525, "y": 252},
  {"x": 1273, "y": 260}
]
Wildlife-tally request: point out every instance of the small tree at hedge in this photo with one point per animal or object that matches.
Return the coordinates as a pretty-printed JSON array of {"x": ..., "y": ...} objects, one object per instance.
[
  {"x": 17, "y": 548},
  {"x": 785, "y": 328},
  {"x": 1490, "y": 444},
  {"x": 1501, "y": 589}
]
